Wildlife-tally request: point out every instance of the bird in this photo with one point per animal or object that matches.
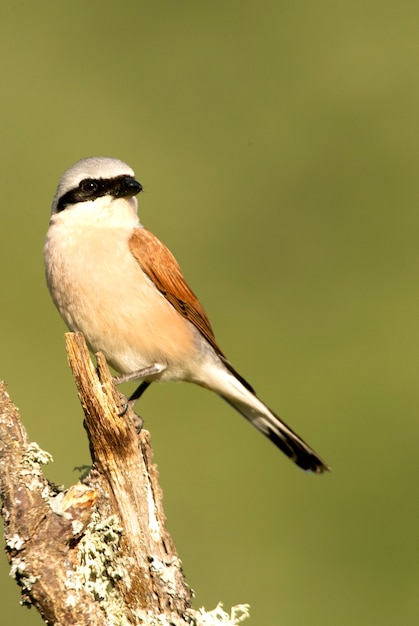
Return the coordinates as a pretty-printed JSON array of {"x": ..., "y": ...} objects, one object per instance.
[{"x": 118, "y": 284}]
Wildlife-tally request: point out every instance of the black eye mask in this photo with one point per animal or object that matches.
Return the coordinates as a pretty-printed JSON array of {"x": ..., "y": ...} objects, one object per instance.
[{"x": 92, "y": 188}]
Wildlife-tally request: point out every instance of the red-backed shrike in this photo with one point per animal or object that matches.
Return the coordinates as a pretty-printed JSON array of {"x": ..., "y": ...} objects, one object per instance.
[{"x": 115, "y": 282}]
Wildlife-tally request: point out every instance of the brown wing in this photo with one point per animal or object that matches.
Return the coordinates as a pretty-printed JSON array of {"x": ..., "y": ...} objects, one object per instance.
[{"x": 162, "y": 268}]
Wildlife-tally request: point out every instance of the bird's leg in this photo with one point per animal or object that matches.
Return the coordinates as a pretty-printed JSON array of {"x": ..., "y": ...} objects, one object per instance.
[
  {"x": 132, "y": 400},
  {"x": 137, "y": 420},
  {"x": 138, "y": 423},
  {"x": 150, "y": 370},
  {"x": 139, "y": 391},
  {"x": 154, "y": 369}
]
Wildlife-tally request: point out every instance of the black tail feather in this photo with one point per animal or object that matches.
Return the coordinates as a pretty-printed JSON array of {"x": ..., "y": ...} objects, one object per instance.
[{"x": 280, "y": 434}]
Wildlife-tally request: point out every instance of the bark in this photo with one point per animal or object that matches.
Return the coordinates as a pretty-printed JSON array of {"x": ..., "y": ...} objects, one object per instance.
[{"x": 99, "y": 552}]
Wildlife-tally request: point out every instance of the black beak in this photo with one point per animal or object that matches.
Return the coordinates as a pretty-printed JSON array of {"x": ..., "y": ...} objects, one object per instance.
[{"x": 126, "y": 186}]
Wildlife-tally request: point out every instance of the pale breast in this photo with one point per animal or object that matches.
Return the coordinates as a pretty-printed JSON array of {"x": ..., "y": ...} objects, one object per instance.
[{"x": 101, "y": 291}]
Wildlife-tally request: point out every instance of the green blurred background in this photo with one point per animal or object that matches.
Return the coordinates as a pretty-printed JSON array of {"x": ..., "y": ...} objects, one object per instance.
[{"x": 278, "y": 146}]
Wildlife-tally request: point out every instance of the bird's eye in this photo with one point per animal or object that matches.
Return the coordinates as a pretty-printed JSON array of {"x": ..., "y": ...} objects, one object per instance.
[{"x": 88, "y": 185}]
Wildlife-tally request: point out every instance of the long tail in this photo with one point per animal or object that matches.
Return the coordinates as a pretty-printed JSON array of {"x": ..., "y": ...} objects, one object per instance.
[{"x": 241, "y": 397}]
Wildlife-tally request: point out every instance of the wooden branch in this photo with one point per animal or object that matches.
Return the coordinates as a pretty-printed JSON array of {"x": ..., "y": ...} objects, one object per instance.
[
  {"x": 97, "y": 553},
  {"x": 127, "y": 483},
  {"x": 42, "y": 527}
]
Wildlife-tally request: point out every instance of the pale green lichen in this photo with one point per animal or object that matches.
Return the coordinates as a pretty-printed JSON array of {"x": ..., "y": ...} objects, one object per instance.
[
  {"x": 33, "y": 460},
  {"x": 36, "y": 457},
  {"x": 166, "y": 571},
  {"x": 201, "y": 617},
  {"x": 15, "y": 543},
  {"x": 219, "y": 617},
  {"x": 18, "y": 566},
  {"x": 99, "y": 567},
  {"x": 18, "y": 572}
]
